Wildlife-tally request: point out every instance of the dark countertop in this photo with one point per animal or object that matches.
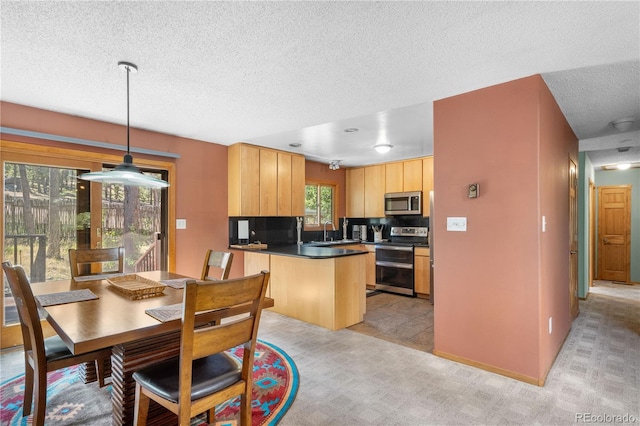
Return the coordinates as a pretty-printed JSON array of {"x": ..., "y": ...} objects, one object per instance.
[{"x": 307, "y": 251}]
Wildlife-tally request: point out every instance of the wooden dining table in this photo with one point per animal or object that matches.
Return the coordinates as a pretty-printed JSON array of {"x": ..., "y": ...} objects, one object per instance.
[{"x": 116, "y": 320}]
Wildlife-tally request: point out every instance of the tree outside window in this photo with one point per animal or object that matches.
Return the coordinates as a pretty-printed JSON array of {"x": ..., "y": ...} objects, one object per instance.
[{"x": 319, "y": 204}]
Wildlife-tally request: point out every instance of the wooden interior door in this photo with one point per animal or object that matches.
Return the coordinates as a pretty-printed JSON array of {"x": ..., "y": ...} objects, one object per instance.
[
  {"x": 573, "y": 239},
  {"x": 614, "y": 232}
]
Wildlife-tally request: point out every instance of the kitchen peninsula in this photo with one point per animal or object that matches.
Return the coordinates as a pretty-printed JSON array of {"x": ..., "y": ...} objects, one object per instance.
[{"x": 324, "y": 286}]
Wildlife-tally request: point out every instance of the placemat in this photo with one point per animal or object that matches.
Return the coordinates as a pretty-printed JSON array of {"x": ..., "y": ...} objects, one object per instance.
[
  {"x": 176, "y": 283},
  {"x": 97, "y": 277},
  {"x": 65, "y": 297},
  {"x": 166, "y": 313}
]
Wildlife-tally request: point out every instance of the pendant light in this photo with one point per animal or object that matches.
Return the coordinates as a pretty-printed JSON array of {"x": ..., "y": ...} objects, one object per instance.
[{"x": 126, "y": 173}]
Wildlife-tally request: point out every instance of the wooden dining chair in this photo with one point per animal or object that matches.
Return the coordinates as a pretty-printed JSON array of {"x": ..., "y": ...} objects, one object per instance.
[
  {"x": 204, "y": 375},
  {"x": 42, "y": 355},
  {"x": 80, "y": 260},
  {"x": 219, "y": 260}
]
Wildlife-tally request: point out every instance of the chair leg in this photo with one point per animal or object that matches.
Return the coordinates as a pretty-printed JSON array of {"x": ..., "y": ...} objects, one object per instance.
[
  {"x": 245, "y": 408},
  {"x": 40, "y": 390},
  {"x": 211, "y": 415},
  {"x": 141, "y": 410},
  {"x": 28, "y": 389}
]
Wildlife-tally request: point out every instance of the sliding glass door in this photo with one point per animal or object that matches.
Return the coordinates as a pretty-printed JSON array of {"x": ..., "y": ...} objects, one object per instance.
[
  {"x": 135, "y": 218},
  {"x": 47, "y": 210}
]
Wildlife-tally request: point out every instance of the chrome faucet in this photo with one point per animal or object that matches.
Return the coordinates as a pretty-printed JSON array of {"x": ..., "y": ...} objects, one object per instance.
[{"x": 325, "y": 229}]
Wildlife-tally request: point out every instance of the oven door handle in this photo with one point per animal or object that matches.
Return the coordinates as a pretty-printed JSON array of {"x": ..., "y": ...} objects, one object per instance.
[
  {"x": 397, "y": 248},
  {"x": 394, "y": 264}
]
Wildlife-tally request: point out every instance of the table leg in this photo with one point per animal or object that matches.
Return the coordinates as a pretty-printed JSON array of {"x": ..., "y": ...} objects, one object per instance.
[
  {"x": 88, "y": 373},
  {"x": 125, "y": 360}
]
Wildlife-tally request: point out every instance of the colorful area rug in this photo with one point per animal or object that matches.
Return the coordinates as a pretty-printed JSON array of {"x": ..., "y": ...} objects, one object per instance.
[{"x": 71, "y": 402}]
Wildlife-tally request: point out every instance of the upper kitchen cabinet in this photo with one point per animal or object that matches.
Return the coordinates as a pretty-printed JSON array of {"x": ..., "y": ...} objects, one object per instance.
[
  {"x": 412, "y": 175},
  {"x": 374, "y": 181},
  {"x": 355, "y": 192},
  {"x": 244, "y": 180},
  {"x": 403, "y": 176},
  {"x": 265, "y": 182},
  {"x": 394, "y": 179},
  {"x": 269, "y": 182},
  {"x": 297, "y": 185},
  {"x": 427, "y": 183}
]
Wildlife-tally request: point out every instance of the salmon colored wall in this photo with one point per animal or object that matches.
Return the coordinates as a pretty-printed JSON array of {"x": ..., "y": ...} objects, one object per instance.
[
  {"x": 558, "y": 144},
  {"x": 201, "y": 173},
  {"x": 489, "y": 300},
  {"x": 321, "y": 172}
]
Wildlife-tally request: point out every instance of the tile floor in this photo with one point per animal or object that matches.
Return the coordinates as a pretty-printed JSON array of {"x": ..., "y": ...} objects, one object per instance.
[{"x": 406, "y": 321}]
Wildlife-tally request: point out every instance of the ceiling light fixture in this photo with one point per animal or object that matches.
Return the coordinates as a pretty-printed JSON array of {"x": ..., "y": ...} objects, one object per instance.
[
  {"x": 334, "y": 164},
  {"x": 295, "y": 145},
  {"x": 126, "y": 173},
  {"x": 623, "y": 166},
  {"x": 351, "y": 129},
  {"x": 383, "y": 147},
  {"x": 622, "y": 124}
]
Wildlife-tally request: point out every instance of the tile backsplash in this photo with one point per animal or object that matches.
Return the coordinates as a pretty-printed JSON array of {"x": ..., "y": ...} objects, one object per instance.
[{"x": 282, "y": 230}]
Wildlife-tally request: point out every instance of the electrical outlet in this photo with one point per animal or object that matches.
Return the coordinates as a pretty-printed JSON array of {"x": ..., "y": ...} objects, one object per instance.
[
  {"x": 550, "y": 324},
  {"x": 544, "y": 224},
  {"x": 181, "y": 223}
]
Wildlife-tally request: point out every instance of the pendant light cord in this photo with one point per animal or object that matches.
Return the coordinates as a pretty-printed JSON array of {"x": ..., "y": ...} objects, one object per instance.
[{"x": 128, "y": 72}]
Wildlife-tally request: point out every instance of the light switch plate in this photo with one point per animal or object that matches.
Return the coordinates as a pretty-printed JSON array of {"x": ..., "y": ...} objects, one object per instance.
[
  {"x": 181, "y": 223},
  {"x": 457, "y": 224}
]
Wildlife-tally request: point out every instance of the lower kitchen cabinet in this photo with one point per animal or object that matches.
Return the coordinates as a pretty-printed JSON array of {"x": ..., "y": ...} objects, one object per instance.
[
  {"x": 370, "y": 262},
  {"x": 422, "y": 279},
  {"x": 255, "y": 262}
]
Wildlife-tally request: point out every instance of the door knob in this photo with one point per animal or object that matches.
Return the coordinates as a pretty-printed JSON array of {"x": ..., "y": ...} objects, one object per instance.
[{"x": 605, "y": 240}]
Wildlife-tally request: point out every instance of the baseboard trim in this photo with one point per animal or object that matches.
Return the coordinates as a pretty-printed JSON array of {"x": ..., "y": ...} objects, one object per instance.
[{"x": 490, "y": 368}]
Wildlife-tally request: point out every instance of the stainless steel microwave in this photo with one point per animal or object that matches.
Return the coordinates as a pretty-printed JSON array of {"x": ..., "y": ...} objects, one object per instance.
[{"x": 403, "y": 203}]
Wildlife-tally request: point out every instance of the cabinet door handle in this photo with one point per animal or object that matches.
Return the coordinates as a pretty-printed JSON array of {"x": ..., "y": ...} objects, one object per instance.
[
  {"x": 573, "y": 252},
  {"x": 605, "y": 240}
]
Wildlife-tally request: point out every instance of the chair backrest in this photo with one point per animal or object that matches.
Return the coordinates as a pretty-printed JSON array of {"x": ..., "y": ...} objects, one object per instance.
[
  {"x": 200, "y": 341},
  {"x": 80, "y": 260},
  {"x": 217, "y": 259},
  {"x": 27, "y": 311}
]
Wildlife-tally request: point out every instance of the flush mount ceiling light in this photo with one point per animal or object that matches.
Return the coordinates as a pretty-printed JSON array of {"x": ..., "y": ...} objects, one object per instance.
[
  {"x": 351, "y": 129},
  {"x": 334, "y": 164},
  {"x": 295, "y": 145},
  {"x": 126, "y": 173},
  {"x": 383, "y": 147},
  {"x": 622, "y": 124}
]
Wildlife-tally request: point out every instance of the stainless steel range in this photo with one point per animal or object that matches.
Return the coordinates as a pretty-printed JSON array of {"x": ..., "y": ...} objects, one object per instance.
[{"x": 394, "y": 260}]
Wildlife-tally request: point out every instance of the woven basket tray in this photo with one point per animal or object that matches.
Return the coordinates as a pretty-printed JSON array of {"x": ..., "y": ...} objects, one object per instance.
[{"x": 136, "y": 287}]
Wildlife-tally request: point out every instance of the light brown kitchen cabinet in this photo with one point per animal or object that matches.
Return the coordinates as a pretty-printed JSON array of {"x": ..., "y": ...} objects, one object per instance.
[
  {"x": 427, "y": 183},
  {"x": 284, "y": 184},
  {"x": 422, "y": 279},
  {"x": 370, "y": 262},
  {"x": 255, "y": 262},
  {"x": 355, "y": 192},
  {"x": 244, "y": 180},
  {"x": 265, "y": 182},
  {"x": 269, "y": 182},
  {"x": 297, "y": 185},
  {"x": 412, "y": 175},
  {"x": 394, "y": 179},
  {"x": 374, "y": 181}
]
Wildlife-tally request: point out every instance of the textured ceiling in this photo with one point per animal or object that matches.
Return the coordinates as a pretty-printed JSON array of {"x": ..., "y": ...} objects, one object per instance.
[{"x": 275, "y": 73}]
